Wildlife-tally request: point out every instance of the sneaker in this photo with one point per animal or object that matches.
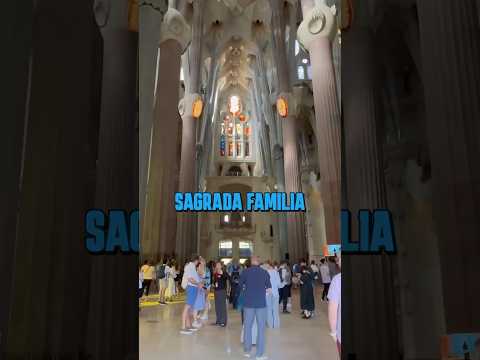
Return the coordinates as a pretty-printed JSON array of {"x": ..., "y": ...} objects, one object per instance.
[
  {"x": 197, "y": 324},
  {"x": 192, "y": 329},
  {"x": 162, "y": 303},
  {"x": 185, "y": 332},
  {"x": 247, "y": 355},
  {"x": 263, "y": 357}
]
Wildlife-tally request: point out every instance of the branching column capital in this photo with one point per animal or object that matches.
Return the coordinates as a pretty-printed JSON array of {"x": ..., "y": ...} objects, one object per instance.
[
  {"x": 319, "y": 22},
  {"x": 175, "y": 27}
]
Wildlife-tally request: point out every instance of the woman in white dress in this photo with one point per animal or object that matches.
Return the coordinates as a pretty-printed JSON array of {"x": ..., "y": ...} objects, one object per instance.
[{"x": 171, "y": 274}]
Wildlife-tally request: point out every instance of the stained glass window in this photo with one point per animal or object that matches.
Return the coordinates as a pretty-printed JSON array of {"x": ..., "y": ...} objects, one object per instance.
[
  {"x": 235, "y": 131},
  {"x": 234, "y": 106}
]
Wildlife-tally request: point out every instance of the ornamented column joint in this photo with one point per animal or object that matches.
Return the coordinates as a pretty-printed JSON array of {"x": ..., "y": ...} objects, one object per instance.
[
  {"x": 293, "y": 106},
  {"x": 319, "y": 22},
  {"x": 188, "y": 106},
  {"x": 175, "y": 27}
]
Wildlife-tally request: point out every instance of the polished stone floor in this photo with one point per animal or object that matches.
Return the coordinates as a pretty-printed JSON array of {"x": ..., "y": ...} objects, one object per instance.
[{"x": 296, "y": 339}]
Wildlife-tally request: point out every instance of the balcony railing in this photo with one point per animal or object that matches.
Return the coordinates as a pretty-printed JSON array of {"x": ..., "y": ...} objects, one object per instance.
[{"x": 239, "y": 230}]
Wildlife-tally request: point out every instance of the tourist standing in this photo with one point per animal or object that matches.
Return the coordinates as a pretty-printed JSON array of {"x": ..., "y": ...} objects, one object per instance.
[
  {"x": 207, "y": 280},
  {"x": 332, "y": 266},
  {"x": 325, "y": 277},
  {"x": 255, "y": 281},
  {"x": 171, "y": 274},
  {"x": 315, "y": 270},
  {"x": 200, "y": 303},
  {"x": 285, "y": 276},
  {"x": 148, "y": 275},
  {"x": 273, "y": 316},
  {"x": 190, "y": 282},
  {"x": 220, "y": 279},
  {"x": 161, "y": 271},
  {"x": 335, "y": 308},
  {"x": 234, "y": 276},
  {"x": 307, "y": 300}
]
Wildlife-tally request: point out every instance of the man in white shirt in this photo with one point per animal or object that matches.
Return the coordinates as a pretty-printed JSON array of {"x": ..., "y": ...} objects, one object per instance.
[
  {"x": 325, "y": 277},
  {"x": 285, "y": 286},
  {"x": 191, "y": 282},
  {"x": 335, "y": 308}
]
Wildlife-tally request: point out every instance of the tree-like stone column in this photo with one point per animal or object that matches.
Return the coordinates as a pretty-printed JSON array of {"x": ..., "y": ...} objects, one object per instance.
[
  {"x": 110, "y": 322},
  {"x": 297, "y": 246},
  {"x": 151, "y": 13},
  {"x": 367, "y": 280},
  {"x": 187, "y": 222},
  {"x": 315, "y": 34},
  {"x": 158, "y": 230},
  {"x": 450, "y": 53}
]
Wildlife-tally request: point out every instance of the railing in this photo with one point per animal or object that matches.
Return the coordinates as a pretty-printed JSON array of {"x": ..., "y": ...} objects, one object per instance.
[{"x": 240, "y": 230}]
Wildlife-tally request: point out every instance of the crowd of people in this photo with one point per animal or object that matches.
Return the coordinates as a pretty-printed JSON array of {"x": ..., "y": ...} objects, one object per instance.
[{"x": 256, "y": 289}]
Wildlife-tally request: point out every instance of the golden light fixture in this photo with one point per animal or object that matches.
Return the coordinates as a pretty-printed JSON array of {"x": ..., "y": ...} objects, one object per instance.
[
  {"x": 282, "y": 107},
  {"x": 197, "y": 108}
]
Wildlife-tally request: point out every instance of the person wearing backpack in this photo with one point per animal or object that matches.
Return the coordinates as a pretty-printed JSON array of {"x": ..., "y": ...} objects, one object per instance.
[
  {"x": 234, "y": 281},
  {"x": 161, "y": 272},
  {"x": 286, "y": 285}
]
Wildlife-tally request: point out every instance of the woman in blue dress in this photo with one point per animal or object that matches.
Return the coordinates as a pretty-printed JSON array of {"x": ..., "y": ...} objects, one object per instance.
[{"x": 199, "y": 305}]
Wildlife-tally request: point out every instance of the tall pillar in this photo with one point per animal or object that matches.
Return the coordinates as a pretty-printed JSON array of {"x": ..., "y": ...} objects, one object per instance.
[
  {"x": 297, "y": 246},
  {"x": 113, "y": 315},
  {"x": 367, "y": 280},
  {"x": 158, "y": 232},
  {"x": 450, "y": 45},
  {"x": 59, "y": 141},
  {"x": 151, "y": 15},
  {"x": 16, "y": 82},
  {"x": 315, "y": 34},
  {"x": 187, "y": 222},
  {"x": 280, "y": 177}
]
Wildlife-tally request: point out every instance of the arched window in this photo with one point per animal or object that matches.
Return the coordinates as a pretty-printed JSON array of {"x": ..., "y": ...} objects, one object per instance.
[{"x": 235, "y": 131}]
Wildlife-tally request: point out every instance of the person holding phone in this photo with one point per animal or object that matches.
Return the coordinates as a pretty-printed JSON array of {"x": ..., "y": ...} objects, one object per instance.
[{"x": 220, "y": 279}]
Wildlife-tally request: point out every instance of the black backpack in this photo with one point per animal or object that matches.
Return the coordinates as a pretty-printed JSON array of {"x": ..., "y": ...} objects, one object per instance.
[
  {"x": 235, "y": 277},
  {"x": 280, "y": 273},
  {"x": 161, "y": 272}
]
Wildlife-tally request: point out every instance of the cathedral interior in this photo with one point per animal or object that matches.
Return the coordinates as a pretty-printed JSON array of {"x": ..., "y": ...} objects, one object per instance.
[
  {"x": 237, "y": 59},
  {"x": 360, "y": 104}
]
